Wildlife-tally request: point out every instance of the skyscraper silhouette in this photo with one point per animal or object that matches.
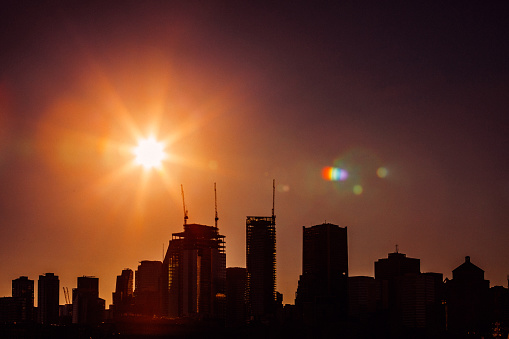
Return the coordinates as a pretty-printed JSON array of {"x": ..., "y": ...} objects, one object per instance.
[
  {"x": 387, "y": 272},
  {"x": 195, "y": 273},
  {"x": 148, "y": 290},
  {"x": 87, "y": 307},
  {"x": 467, "y": 300},
  {"x": 261, "y": 266},
  {"x": 323, "y": 286},
  {"x": 48, "y": 299},
  {"x": 23, "y": 299},
  {"x": 123, "y": 295},
  {"x": 236, "y": 310}
]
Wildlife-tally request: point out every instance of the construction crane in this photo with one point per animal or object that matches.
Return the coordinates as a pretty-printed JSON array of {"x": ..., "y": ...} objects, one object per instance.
[
  {"x": 215, "y": 206},
  {"x": 184, "y": 204}
]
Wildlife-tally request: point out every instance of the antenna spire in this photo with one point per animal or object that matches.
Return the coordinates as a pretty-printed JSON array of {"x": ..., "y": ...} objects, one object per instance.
[
  {"x": 397, "y": 248},
  {"x": 273, "y": 197},
  {"x": 215, "y": 204},
  {"x": 184, "y": 204}
]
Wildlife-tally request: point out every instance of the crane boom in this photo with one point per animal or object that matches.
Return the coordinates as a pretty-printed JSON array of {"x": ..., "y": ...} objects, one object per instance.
[
  {"x": 215, "y": 206},
  {"x": 184, "y": 204}
]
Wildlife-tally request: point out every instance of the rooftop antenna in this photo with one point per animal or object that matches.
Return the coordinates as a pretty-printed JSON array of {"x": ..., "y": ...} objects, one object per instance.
[
  {"x": 215, "y": 205},
  {"x": 397, "y": 248},
  {"x": 184, "y": 204},
  {"x": 273, "y": 198}
]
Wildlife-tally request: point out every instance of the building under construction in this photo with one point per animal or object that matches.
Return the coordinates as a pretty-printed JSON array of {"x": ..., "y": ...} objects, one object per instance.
[{"x": 195, "y": 273}]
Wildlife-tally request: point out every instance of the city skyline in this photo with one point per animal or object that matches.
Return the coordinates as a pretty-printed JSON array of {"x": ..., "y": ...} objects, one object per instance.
[
  {"x": 415, "y": 267},
  {"x": 389, "y": 119}
]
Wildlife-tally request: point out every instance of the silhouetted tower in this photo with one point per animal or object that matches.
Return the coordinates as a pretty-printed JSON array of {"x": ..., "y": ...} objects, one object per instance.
[
  {"x": 123, "y": 295},
  {"x": 23, "y": 300},
  {"x": 396, "y": 265},
  {"x": 87, "y": 307},
  {"x": 323, "y": 286},
  {"x": 236, "y": 308},
  {"x": 387, "y": 272},
  {"x": 195, "y": 273},
  {"x": 261, "y": 264},
  {"x": 467, "y": 300},
  {"x": 149, "y": 287},
  {"x": 48, "y": 299}
]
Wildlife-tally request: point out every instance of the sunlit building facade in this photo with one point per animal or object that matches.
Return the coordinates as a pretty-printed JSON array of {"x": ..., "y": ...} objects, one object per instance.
[
  {"x": 195, "y": 273},
  {"x": 261, "y": 266}
]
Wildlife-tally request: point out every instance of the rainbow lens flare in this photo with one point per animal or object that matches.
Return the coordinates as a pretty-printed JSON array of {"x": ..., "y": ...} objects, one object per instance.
[{"x": 334, "y": 174}]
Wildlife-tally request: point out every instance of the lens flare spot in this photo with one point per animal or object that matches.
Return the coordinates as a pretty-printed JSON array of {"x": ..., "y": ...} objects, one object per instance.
[
  {"x": 357, "y": 189},
  {"x": 381, "y": 172},
  {"x": 283, "y": 188},
  {"x": 334, "y": 174}
]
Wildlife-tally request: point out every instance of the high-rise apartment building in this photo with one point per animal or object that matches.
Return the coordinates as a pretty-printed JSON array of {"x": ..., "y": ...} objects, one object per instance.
[
  {"x": 323, "y": 286},
  {"x": 22, "y": 300},
  {"x": 148, "y": 290},
  {"x": 261, "y": 266},
  {"x": 48, "y": 299},
  {"x": 195, "y": 273},
  {"x": 236, "y": 310},
  {"x": 123, "y": 295},
  {"x": 87, "y": 307}
]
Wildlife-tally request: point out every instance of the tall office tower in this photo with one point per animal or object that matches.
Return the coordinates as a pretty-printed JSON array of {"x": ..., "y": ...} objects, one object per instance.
[
  {"x": 396, "y": 265},
  {"x": 322, "y": 293},
  {"x": 389, "y": 273},
  {"x": 48, "y": 299},
  {"x": 467, "y": 300},
  {"x": 195, "y": 273},
  {"x": 236, "y": 310},
  {"x": 123, "y": 295},
  {"x": 87, "y": 307},
  {"x": 148, "y": 290},
  {"x": 261, "y": 266},
  {"x": 387, "y": 270},
  {"x": 23, "y": 299}
]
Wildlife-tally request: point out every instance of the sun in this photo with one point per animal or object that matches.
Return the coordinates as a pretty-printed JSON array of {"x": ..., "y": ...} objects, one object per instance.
[{"x": 149, "y": 153}]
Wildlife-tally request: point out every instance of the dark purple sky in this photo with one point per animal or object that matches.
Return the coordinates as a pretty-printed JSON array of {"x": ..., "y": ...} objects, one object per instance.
[{"x": 244, "y": 93}]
